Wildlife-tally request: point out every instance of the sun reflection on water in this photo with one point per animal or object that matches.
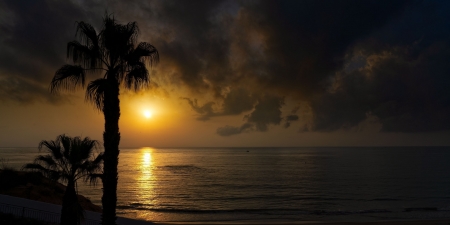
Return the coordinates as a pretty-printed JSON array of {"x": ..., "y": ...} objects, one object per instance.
[
  {"x": 146, "y": 165},
  {"x": 146, "y": 180},
  {"x": 147, "y": 158}
]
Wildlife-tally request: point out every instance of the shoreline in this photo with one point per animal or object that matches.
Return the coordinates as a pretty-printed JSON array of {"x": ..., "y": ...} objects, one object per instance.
[
  {"x": 94, "y": 216},
  {"x": 253, "y": 222},
  {"x": 34, "y": 186}
]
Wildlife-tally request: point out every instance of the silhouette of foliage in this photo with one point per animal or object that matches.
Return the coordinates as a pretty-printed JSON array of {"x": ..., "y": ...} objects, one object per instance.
[
  {"x": 68, "y": 160},
  {"x": 114, "y": 52}
]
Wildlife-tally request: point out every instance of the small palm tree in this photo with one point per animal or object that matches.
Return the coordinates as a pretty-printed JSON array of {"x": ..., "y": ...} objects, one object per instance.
[
  {"x": 112, "y": 52},
  {"x": 68, "y": 160}
]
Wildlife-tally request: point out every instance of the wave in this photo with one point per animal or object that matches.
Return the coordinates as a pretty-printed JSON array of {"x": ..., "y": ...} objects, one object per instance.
[
  {"x": 279, "y": 211},
  {"x": 186, "y": 211},
  {"x": 422, "y": 209},
  {"x": 385, "y": 199},
  {"x": 344, "y": 212},
  {"x": 180, "y": 168},
  {"x": 273, "y": 211}
]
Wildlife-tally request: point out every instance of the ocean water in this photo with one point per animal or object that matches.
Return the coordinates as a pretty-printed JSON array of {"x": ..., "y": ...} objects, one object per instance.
[{"x": 276, "y": 184}]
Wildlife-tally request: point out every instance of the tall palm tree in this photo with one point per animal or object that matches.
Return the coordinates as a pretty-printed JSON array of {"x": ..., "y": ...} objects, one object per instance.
[
  {"x": 68, "y": 160},
  {"x": 113, "y": 52}
]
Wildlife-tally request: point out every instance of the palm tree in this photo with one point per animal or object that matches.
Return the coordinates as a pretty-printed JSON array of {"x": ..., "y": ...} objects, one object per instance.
[
  {"x": 69, "y": 160},
  {"x": 113, "y": 52}
]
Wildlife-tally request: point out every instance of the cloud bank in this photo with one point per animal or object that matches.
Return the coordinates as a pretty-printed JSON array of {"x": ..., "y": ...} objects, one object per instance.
[{"x": 342, "y": 63}]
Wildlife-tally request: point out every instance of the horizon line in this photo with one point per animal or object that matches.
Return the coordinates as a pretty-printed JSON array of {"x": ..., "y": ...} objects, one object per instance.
[{"x": 344, "y": 146}]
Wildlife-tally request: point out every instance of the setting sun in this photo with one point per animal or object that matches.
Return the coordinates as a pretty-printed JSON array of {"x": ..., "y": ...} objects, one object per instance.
[{"x": 147, "y": 114}]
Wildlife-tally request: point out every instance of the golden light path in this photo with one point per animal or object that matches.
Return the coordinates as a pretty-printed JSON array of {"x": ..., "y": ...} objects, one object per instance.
[
  {"x": 146, "y": 165},
  {"x": 146, "y": 179}
]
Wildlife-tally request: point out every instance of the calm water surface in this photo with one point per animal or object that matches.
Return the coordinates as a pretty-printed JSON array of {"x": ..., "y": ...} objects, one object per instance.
[{"x": 276, "y": 184}]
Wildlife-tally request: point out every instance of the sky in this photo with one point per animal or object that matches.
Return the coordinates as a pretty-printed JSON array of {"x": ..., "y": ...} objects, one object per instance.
[{"x": 240, "y": 73}]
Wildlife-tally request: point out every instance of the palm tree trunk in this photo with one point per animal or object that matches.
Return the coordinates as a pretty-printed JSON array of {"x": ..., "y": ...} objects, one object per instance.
[
  {"x": 111, "y": 138},
  {"x": 69, "y": 204}
]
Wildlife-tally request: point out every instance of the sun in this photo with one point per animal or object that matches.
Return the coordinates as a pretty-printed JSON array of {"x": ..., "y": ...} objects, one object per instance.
[{"x": 147, "y": 114}]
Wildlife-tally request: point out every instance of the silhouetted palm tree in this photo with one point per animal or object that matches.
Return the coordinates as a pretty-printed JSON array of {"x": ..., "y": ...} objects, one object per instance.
[
  {"x": 113, "y": 52},
  {"x": 69, "y": 160}
]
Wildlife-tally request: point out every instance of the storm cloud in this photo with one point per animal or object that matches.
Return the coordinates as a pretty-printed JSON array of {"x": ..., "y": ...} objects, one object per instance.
[
  {"x": 266, "y": 112},
  {"x": 342, "y": 62},
  {"x": 235, "y": 102},
  {"x": 33, "y": 33}
]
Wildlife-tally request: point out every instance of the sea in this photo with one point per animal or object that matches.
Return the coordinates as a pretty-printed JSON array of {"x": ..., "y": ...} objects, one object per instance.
[{"x": 235, "y": 185}]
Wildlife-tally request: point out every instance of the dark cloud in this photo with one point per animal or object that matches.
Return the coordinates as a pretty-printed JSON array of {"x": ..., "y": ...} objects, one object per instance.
[
  {"x": 406, "y": 93},
  {"x": 403, "y": 81},
  {"x": 238, "y": 101},
  {"x": 266, "y": 112},
  {"x": 347, "y": 60},
  {"x": 284, "y": 48},
  {"x": 205, "y": 111},
  {"x": 32, "y": 46},
  {"x": 230, "y": 130},
  {"x": 25, "y": 91},
  {"x": 310, "y": 43},
  {"x": 289, "y": 119},
  {"x": 340, "y": 60},
  {"x": 235, "y": 102}
]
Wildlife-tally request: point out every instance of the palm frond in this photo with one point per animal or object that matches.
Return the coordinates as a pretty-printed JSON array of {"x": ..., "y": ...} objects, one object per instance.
[
  {"x": 46, "y": 160},
  {"x": 108, "y": 34},
  {"x": 118, "y": 71},
  {"x": 86, "y": 148},
  {"x": 137, "y": 78},
  {"x": 93, "y": 166},
  {"x": 66, "y": 143},
  {"x": 144, "y": 52},
  {"x": 53, "y": 147},
  {"x": 131, "y": 32},
  {"x": 93, "y": 178},
  {"x": 68, "y": 77},
  {"x": 87, "y": 34},
  {"x": 65, "y": 177},
  {"x": 117, "y": 40},
  {"x": 99, "y": 159},
  {"x": 74, "y": 160},
  {"x": 87, "y": 56},
  {"x": 35, "y": 167},
  {"x": 95, "y": 92},
  {"x": 74, "y": 157},
  {"x": 89, "y": 169}
]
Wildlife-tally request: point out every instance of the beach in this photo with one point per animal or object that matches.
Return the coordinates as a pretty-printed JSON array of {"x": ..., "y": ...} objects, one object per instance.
[{"x": 419, "y": 222}]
